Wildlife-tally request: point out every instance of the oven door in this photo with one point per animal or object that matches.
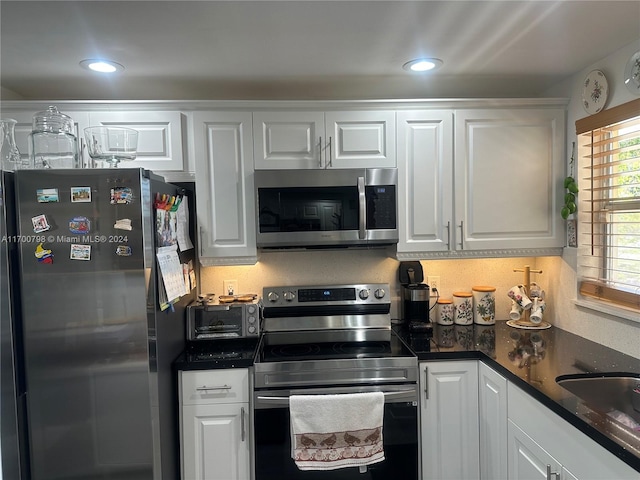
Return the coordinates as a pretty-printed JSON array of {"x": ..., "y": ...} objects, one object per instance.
[{"x": 400, "y": 434}]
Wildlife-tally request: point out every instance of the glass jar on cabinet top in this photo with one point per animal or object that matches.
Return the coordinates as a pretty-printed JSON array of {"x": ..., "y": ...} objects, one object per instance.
[
  {"x": 52, "y": 142},
  {"x": 484, "y": 305}
]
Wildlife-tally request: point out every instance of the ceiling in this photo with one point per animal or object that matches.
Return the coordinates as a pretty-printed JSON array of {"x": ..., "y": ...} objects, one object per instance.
[{"x": 197, "y": 50}]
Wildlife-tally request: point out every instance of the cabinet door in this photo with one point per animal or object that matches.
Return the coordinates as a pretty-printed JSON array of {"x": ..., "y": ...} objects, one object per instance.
[
  {"x": 288, "y": 140},
  {"x": 361, "y": 139},
  {"x": 508, "y": 173},
  {"x": 493, "y": 424},
  {"x": 224, "y": 188},
  {"x": 160, "y": 146},
  {"x": 449, "y": 420},
  {"x": 425, "y": 180},
  {"x": 527, "y": 459},
  {"x": 215, "y": 442}
]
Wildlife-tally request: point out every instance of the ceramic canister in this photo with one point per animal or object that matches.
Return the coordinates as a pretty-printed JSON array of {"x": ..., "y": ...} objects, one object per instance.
[
  {"x": 484, "y": 305},
  {"x": 463, "y": 305},
  {"x": 444, "y": 311}
]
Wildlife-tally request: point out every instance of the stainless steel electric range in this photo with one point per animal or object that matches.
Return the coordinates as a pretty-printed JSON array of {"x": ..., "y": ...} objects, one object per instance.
[{"x": 333, "y": 339}]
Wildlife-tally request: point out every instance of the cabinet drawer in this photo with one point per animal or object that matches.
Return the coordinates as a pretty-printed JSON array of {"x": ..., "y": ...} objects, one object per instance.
[{"x": 214, "y": 386}]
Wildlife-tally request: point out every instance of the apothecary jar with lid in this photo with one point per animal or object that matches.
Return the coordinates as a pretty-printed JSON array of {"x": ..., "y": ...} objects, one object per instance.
[{"x": 52, "y": 142}]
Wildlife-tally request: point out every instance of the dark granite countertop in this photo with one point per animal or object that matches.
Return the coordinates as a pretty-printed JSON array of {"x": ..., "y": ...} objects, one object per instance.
[{"x": 532, "y": 359}]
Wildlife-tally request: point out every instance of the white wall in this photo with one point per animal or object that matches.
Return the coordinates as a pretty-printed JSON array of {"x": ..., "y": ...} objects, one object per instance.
[{"x": 615, "y": 332}]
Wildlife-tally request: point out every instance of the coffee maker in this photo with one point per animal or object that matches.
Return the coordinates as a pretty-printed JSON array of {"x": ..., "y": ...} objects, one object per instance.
[{"x": 414, "y": 295}]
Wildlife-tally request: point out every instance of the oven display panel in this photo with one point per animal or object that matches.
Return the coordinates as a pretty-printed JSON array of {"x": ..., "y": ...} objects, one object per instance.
[{"x": 326, "y": 294}]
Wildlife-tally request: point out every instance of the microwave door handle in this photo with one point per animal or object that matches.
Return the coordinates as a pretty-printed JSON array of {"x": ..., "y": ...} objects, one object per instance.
[{"x": 362, "y": 200}]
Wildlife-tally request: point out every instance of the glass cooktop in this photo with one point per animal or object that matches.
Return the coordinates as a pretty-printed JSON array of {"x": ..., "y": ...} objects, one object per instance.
[{"x": 333, "y": 350}]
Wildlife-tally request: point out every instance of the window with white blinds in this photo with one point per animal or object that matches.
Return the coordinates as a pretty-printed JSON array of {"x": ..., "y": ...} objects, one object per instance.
[{"x": 609, "y": 205}]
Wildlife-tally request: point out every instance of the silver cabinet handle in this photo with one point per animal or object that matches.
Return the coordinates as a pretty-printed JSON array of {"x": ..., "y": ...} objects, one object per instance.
[
  {"x": 330, "y": 154},
  {"x": 426, "y": 383},
  {"x": 242, "y": 429},
  {"x": 202, "y": 241},
  {"x": 362, "y": 201},
  {"x": 204, "y": 388},
  {"x": 449, "y": 235},
  {"x": 320, "y": 153},
  {"x": 552, "y": 475},
  {"x": 461, "y": 235}
]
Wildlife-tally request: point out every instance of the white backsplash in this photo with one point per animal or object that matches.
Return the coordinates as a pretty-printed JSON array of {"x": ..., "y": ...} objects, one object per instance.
[{"x": 373, "y": 266}]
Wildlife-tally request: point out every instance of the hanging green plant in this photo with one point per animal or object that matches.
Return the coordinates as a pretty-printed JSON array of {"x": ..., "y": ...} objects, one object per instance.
[{"x": 571, "y": 185}]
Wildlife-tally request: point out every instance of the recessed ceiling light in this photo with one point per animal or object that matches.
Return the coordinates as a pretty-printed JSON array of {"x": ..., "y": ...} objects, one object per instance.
[
  {"x": 423, "y": 64},
  {"x": 102, "y": 66}
]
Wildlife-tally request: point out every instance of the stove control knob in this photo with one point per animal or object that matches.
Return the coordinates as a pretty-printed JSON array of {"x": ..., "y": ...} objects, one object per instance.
[
  {"x": 251, "y": 319},
  {"x": 364, "y": 294},
  {"x": 380, "y": 293},
  {"x": 289, "y": 296},
  {"x": 251, "y": 309},
  {"x": 273, "y": 297},
  {"x": 251, "y": 329}
]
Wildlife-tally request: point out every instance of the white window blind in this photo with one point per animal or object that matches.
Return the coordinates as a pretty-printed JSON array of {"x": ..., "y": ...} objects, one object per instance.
[{"x": 609, "y": 205}]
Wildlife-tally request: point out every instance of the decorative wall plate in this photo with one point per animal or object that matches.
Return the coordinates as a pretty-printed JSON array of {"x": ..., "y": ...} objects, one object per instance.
[
  {"x": 595, "y": 92},
  {"x": 632, "y": 74}
]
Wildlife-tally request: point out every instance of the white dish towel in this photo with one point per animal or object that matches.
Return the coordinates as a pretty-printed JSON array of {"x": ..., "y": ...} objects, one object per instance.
[{"x": 336, "y": 431}]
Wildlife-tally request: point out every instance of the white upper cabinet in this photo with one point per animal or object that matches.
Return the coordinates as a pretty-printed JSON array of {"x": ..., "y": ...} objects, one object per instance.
[
  {"x": 160, "y": 137},
  {"x": 480, "y": 182},
  {"x": 509, "y": 165},
  {"x": 224, "y": 188},
  {"x": 361, "y": 139},
  {"x": 287, "y": 139},
  {"x": 317, "y": 140},
  {"x": 425, "y": 180}
]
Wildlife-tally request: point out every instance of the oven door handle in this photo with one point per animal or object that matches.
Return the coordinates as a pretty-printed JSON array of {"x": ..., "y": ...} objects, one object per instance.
[{"x": 285, "y": 400}]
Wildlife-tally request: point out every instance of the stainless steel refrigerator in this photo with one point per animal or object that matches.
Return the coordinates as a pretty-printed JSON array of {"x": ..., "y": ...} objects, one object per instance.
[{"x": 95, "y": 367}]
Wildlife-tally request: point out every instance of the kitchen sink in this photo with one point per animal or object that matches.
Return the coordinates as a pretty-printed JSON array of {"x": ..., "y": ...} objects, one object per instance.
[
  {"x": 610, "y": 402},
  {"x": 606, "y": 392}
]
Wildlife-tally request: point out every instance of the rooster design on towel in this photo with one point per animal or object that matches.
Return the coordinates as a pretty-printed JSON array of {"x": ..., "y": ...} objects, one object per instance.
[
  {"x": 350, "y": 439},
  {"x": 329, "y": 441},
  {"x": 375, "y": 435},
  {"x": 307, "y": 442}
]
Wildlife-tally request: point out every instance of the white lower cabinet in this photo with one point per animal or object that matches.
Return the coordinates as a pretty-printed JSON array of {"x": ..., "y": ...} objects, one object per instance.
[
  {"x": 493, "y": 423},
  {"x": 539, "y": 438},
  {"x": 449, "y": 420},
  {"x": 215, "y": 441},
  {"x": 527, "y": 459},
  {"x": 215, "y": 445},
  {"x": 475, "y": 424}
]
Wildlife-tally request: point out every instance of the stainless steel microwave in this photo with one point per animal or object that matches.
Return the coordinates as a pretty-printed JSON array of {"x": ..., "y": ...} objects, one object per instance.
[{"x": 326, "y": 208}]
